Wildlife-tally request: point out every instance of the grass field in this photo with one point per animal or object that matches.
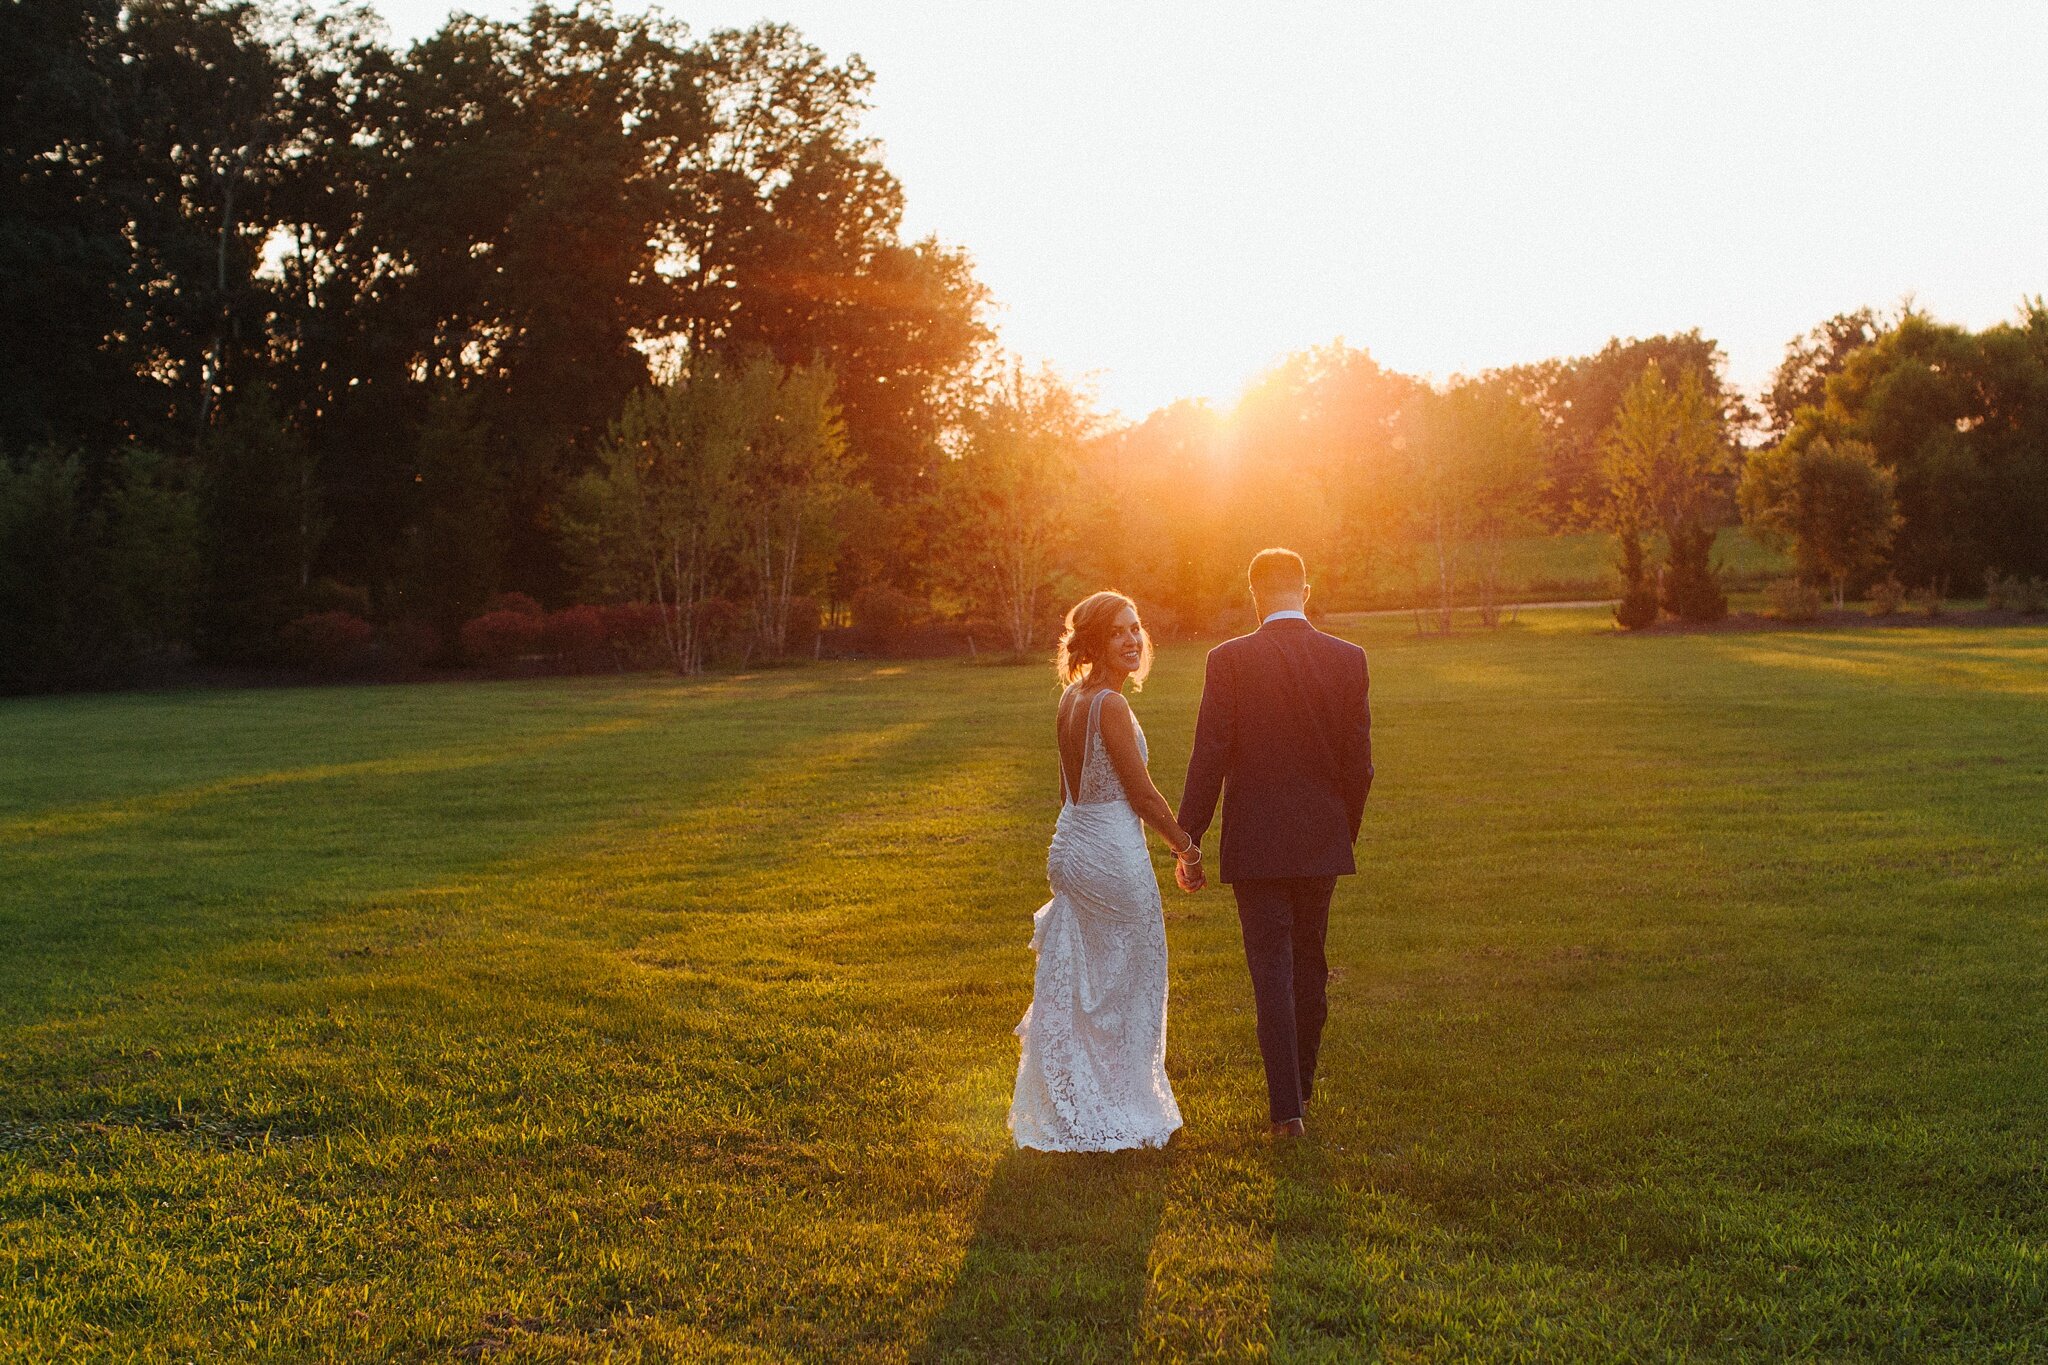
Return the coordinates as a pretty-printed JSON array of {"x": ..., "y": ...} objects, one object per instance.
[
  {"x": 1565, "y": 568},
  {"x": 1690, "y": 1005}
]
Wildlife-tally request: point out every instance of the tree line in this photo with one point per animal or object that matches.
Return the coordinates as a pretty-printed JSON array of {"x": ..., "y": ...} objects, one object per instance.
[
  {"x": 588, "y": 334},
  {"x": 299, "y": 320}
]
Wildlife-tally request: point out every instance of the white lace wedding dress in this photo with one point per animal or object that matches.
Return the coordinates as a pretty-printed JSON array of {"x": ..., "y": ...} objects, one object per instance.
[{"x": 1092, "y": 1074}]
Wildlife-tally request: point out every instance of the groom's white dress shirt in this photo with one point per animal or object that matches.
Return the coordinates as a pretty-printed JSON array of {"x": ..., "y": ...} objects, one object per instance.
[{"x": 1286, "y": 616}]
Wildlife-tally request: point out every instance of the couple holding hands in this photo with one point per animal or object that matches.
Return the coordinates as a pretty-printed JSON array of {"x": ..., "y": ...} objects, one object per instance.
[{"x": 1284, "y": 738}]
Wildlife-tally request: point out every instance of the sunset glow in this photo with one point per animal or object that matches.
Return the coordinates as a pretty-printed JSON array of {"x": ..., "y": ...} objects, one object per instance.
[{"x": 1175, "y": 204}]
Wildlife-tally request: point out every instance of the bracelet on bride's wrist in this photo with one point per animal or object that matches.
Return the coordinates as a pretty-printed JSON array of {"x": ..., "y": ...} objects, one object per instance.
[{"x": 1191, "y": 854}]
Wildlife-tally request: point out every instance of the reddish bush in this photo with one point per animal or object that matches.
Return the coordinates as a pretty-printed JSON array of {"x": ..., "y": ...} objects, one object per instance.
[
  {"x": 328, "y": 594},
  {"x": 328, "y": 641},
  {"x": 634, "y": 632},
  {"x": 805, "y": 617},
  {"x": 882, "y": 610},
  {"x": 514, "y": 602},
  {"x": 411, "y": 643},
  {"x": 573, "y": 633},
  {"x": 722, "y": 628},
  {"x": 498, "y": 637}
]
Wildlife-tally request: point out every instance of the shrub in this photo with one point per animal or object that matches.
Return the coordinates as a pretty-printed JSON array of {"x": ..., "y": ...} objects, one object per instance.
[
  {"x": 517, "y": 602},
  {"x": 1927, "y": 600},
  {"x": 634, "y": 632},
  {"x": 498, "y": 637},
  {"x": 573, "y": 633},
  {"x": 2010, "y": 593},
  {"x": 722, "y": 629},
  {"x": 1789, "y": 599},
  {"x": 411, "y": 643},
  {"x": 882, "y": 608},
  {"x": 1638, "y": 607},
  {"x": 328, "y": 641},
  {"x": 1692, "y": 587},
  {"x": 96, "y": 573},
  {"x": 1996, "y": 589},
  {"x": 805, "y": 618},
  {"x": 1887, "y": 595},
  {"x": 331, "y": 594}
]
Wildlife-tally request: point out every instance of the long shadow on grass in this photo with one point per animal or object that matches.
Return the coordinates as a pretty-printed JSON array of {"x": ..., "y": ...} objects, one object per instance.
[
  {"x": 111, "y": 907},
  {"x": 1320, "y": 1306},
  {"x": 1056, "y": 1270}
]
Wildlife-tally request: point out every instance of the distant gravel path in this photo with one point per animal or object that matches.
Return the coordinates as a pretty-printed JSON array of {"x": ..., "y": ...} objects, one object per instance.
[{"x": 1510, "y": 606}]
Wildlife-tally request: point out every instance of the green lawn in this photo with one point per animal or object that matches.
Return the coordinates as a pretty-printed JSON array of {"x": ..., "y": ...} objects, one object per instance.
[
  {"x": 1566, "y": 568},
  {"x": 1690, "y": 1005}
]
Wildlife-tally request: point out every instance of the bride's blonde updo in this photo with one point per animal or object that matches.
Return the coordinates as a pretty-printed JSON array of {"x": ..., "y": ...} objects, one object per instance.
[{"x": 1085, "y": 638}]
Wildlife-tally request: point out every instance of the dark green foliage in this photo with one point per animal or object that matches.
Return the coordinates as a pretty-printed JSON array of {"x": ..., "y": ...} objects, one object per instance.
[
  {"x": 330, "y": 642},
  {"x": 1832, "y": 503},
  {"x": 1638, "y": 606},
  {"x": 1579, "y": 398},
  {"x": 408, "y": 644},
  {"x": 881, "y": 614},
  {"x": 455, "y": 540},
  {"x": 1691, "y": 587},
  {"x": 97, "y": 567},
  {"x": 67, "y": 278},
  {"x": 439, "y": 266},
  {"x": 1802, "y": 376},
  {"x": 1961, "y": 421},
  {"x": 262, "y": 530}
]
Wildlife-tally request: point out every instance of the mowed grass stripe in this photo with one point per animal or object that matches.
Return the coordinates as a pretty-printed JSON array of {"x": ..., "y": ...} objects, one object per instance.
[{"x": 1686, "y": 1008}]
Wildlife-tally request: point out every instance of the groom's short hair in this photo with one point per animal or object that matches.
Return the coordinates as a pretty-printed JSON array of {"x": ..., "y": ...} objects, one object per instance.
[{"x": 1277, "y": 572}]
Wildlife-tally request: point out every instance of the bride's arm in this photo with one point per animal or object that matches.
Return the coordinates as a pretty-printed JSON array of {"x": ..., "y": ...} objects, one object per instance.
[{"x": 1120, "y": 741}]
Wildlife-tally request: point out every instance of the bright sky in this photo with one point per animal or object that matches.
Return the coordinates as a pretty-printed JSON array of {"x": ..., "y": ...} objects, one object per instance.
[{"x": 1171, "y": 196}]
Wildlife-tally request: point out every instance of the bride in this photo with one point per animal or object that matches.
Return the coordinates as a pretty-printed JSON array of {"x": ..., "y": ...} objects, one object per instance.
[{"x": 1092, "y": 1075}]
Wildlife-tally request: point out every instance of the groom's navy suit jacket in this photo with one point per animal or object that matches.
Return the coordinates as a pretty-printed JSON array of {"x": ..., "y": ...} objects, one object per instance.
[{"x": 1285, "y": 736}]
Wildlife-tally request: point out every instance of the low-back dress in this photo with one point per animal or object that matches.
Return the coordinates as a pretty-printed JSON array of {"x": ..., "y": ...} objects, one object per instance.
[{"x": 1091, "y": 1076}]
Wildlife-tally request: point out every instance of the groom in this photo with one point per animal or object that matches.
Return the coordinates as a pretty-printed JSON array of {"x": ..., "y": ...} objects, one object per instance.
[{"x": 1285, "y": 735}]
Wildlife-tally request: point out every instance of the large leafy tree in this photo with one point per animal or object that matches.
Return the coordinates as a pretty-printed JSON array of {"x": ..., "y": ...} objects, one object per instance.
[
  {"x": 660, "y": 514},
  {"x": 96, "y": 563},
  {"x": 793, "y": 474},
  {"x": 1153, "y": 515},
  {"x": 527, "y": 173},
  {"x": 1831, "y": 503},
  {"x": 1007, "y": 501},
  {"x": 1579, "y": 399},
  {"x": 1668, "y": 464},
  {"x": 1471, "y": 463},
  {"x": 795, "y": 249},
  {"x": 1802, "y": 376},
  {"x": 66, "y": 281},
  {"x": 1961, "y": 420},
  {"x": 730, "y": 475}
]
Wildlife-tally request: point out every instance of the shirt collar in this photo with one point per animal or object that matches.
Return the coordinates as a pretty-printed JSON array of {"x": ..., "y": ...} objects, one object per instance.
[{"x": 1285, "y": 616}]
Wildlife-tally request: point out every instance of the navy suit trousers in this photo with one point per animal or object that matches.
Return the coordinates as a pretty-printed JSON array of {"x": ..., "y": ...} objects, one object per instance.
[{"x": 1284, "y": 922}]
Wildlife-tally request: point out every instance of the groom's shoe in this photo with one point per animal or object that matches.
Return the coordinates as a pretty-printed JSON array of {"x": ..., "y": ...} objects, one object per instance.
[{"x": 1291, "y": 1128}]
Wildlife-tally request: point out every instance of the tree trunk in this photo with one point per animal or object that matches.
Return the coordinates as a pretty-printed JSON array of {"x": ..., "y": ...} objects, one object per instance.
[{"x": 1443, "y": 576}]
